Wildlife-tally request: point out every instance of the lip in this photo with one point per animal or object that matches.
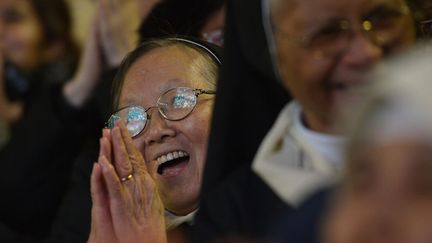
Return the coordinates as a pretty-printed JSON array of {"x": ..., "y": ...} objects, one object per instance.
[
  {"x": 347, "y": 86},
  {"x": 175, "y": 171},
  {"x": 165, "y": 151},
  {"x": 171, "y": 155}
]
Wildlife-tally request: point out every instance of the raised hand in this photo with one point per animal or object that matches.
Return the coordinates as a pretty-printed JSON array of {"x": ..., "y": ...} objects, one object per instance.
[
  {"x": 118, "y": 23},
  {"x": 79, "y": 89},
  {"x": 136, "y": 213},
  {"x": 102, "y": 229}
]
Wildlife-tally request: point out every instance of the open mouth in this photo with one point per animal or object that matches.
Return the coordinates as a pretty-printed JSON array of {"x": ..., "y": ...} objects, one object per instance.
[{"x": 172, "y": 163}]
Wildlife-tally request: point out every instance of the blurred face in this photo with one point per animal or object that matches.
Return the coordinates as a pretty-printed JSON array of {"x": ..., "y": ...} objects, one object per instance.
[
  {"x": 21, "y": 34},
  {"x": 178, "y": 179},
  {"x": 326, "y": 47},
  {"x": 387, "y": 198},
  {"x": 212, "y": 31}
]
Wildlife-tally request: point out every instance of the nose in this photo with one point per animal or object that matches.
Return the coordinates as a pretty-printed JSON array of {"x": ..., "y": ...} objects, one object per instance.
[
  {"x": 158, "y": 129},
  {"x": 363, "y": 51}
]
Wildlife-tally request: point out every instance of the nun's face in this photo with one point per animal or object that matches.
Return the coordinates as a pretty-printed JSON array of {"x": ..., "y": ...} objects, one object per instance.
[
  {"x": 213, "y": 29},
  {"x": 387, "y": 196},
  {"x": 326, "y": 47},
  {"x": 174, "y": 151}
]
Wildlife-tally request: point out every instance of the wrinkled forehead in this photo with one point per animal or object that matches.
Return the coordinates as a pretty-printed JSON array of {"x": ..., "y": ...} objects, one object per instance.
[{"x": 158, "y": 71}]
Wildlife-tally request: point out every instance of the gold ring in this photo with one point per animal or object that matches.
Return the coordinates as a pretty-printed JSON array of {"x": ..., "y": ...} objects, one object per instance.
[{"x": 123, "y": 179}]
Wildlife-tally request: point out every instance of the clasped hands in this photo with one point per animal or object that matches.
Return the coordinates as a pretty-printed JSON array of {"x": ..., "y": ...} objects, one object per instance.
[{"x": 125, "y": 210}]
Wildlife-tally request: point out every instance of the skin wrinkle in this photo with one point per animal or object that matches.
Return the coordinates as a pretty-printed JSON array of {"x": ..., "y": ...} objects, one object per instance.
[
  {"x": 315, "y": 81},
  {"x": 180, "y": 194}
]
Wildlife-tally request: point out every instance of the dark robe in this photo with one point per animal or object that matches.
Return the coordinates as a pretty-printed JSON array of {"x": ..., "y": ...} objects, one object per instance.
[{"x": 236, "y": 203}]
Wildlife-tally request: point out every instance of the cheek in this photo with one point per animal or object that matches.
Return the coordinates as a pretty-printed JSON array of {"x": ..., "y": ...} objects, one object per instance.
[
  {"x": 299, "y": 71},
  {"x": 197, "y": 130}
]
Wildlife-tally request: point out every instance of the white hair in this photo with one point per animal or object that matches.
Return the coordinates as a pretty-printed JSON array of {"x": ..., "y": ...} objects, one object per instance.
[{"x": 399, "y": 103}]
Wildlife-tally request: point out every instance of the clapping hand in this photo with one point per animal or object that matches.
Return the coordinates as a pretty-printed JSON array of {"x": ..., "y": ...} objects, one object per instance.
[{"x": 126, "y": 203}]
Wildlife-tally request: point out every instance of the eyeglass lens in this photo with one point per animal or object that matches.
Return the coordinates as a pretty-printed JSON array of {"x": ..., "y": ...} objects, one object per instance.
[
  {"x": 175, "y": 104},
  {"x": 382, "y": 26}
]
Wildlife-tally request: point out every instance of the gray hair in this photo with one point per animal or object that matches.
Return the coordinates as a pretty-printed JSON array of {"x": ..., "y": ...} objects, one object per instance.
[
  {"x": 399, "y": 101},
  {"x": 204, "y": 64}
]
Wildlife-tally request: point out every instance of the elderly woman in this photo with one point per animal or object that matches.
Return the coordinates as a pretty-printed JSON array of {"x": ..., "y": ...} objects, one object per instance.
[
  {"x": 386, "y": 195},
  {"x": 322, "y": 52},
  {"x": 151, "y": 160},
  {"x": 37, "y": 49},
  {"x": 37, "y": 55}
]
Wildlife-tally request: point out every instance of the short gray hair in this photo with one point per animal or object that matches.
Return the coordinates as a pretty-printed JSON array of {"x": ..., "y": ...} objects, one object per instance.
[{"x": 204, "y": 65}]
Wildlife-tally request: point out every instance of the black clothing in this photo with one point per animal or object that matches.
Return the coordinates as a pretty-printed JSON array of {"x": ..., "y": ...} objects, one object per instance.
[
  {"x": 53, "y": 181},
  {"x": 248, "y": 97},
  {"x": 173, "y": 17},
  {"x": 242, "y": 206},
  {"x": 302, "y": 225},
  {"x": 72, "y": 223},
  {"x": 235, "y": 201},
  {"x": 37, "y": 159},
  {"x": 247, "y": 208}
]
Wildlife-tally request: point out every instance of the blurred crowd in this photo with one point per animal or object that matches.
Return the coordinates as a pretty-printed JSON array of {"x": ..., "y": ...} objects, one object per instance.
[{"x": 215, "y": 121}]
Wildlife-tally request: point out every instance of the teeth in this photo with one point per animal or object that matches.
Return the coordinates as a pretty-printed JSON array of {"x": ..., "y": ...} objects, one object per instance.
[{"x": 170, "y": 156}]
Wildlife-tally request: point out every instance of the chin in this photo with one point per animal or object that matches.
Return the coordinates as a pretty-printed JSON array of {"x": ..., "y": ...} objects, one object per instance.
[{"x": 183, "y": 200}]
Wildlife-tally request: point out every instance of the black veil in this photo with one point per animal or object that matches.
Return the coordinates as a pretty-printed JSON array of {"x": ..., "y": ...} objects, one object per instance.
[{"x": 249, "y": 96}]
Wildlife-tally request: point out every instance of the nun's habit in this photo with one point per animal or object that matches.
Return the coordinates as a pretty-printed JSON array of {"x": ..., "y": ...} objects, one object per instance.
[
  {"x": 235, "y": 200},
  {"x": 238, "y": 200}
]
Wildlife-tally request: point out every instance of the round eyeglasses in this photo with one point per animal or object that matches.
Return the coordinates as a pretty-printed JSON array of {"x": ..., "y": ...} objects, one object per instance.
[
  {"x": 175, "y": 104},
  {"x": 331, "y": 38}
]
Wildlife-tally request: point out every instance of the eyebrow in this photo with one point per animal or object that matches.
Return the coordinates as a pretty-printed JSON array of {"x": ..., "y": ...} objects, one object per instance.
[
  {"x": 380, "y": 9},
  {"x": 134, "y": 99},
  {"x": 169, "y": 84}
]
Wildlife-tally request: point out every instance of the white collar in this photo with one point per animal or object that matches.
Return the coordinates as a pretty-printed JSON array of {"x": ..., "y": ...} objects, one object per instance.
[
  {"x": 172, "y": 220},
  {"x": 287, "y": 162}
]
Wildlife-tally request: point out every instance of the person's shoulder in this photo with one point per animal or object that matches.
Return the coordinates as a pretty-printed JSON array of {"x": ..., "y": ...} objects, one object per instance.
[
  {"x": 241, "y": 184},
  {"x": 240, "y": 205},
  {"x": 303, "y": 224}
]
